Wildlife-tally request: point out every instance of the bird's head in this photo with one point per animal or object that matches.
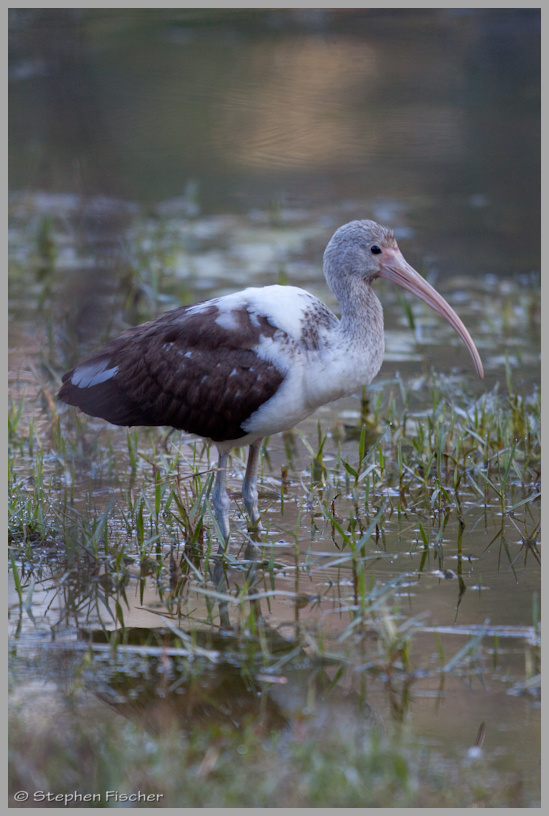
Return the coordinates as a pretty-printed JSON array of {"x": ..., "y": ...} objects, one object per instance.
[{"x": 366, "y": 250}]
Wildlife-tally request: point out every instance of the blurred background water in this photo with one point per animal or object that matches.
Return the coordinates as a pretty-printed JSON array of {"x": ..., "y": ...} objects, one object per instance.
[{"x": 430, "y": 117}]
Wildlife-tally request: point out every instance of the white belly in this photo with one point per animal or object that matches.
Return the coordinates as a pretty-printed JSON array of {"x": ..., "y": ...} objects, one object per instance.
[{"x": 313, "y": 380}]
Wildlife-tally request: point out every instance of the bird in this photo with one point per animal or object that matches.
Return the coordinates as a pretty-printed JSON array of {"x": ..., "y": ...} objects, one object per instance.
[{"x": 243, "y": 366}]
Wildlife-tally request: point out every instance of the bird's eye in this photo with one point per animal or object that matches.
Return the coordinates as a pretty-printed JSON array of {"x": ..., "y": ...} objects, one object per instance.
[{"x": 375, "y": 250}]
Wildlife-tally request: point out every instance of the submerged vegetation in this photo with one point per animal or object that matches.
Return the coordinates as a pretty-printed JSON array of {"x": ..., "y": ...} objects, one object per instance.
[{"x": 394, "y": 527}]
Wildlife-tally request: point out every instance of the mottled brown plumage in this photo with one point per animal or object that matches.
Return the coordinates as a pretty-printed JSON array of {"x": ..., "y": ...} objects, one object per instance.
[{"x": 184, "y": 370}]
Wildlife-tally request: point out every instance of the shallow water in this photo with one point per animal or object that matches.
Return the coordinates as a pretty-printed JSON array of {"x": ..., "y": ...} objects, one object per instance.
[{"x": 230, "y": 149}]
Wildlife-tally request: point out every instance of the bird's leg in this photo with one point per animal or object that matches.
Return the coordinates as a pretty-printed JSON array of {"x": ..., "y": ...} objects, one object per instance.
[
  {"x": 221, "y": 503},
  {"x": 220, "y": 499},
  {"x": 249, "y": 485}
]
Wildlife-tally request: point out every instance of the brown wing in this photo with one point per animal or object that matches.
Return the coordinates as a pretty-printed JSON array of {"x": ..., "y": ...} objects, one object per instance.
[{"x": 185, "y": 369}]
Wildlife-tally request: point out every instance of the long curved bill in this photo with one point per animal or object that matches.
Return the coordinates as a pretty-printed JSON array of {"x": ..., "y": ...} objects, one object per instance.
[{"x": 397, "y": 270}]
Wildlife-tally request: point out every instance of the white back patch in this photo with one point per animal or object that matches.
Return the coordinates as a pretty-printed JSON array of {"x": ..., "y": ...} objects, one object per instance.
[
  {"x": 227, "y": 320},
  {"x": 283, "y": 306}
]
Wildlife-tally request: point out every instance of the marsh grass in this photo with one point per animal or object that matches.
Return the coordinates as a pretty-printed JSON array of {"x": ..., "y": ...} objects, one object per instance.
[
  {"x": 92, "y": 515},
  {"x": 150, "y": 506}
]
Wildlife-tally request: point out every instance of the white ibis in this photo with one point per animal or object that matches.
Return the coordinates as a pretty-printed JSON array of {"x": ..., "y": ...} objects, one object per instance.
[{"x": 247, "y": 365}]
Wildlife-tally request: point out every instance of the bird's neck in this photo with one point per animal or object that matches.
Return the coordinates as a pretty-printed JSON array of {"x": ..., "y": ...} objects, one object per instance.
[
  {"x": 361, "y": 315},
  {"x": 356, "y": 346}
]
